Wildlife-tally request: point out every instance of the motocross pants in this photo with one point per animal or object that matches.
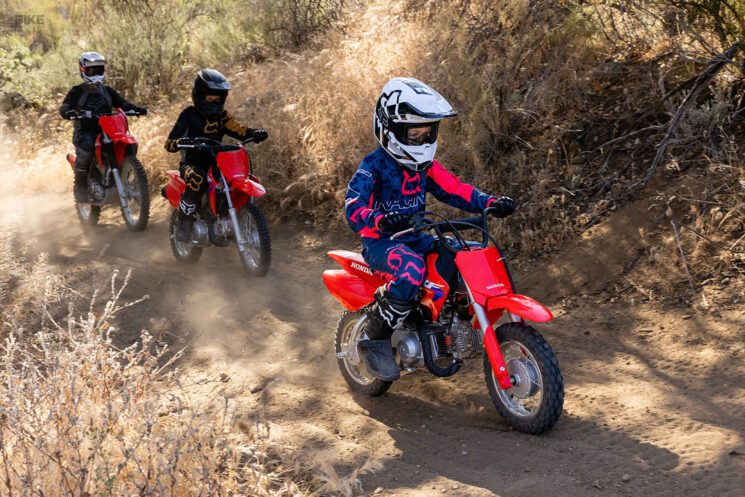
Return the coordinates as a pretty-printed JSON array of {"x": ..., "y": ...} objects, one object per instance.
[
  {"x": 403, "y": 262},
  {"x": 85, "y": 149},
  {"x": 197, "y": 185}
]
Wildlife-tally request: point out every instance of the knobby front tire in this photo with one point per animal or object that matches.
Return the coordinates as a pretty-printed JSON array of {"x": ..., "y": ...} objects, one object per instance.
[
  {"x": 135, "y": 185},
  {"x": 255, "y": 231},
  {"x": 87, "y": 214},
  {"x": 536, "y": 399}
]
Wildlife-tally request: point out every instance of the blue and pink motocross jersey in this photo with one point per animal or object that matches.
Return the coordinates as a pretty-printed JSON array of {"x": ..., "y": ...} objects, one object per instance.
[{"x": 381, "y": 185}]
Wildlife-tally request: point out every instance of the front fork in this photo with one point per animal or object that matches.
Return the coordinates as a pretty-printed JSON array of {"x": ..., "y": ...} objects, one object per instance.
[
  {"x": 498, "y": 366},
  {"x": 122, "y": 195},
  {"x": 234, "y": 217}
]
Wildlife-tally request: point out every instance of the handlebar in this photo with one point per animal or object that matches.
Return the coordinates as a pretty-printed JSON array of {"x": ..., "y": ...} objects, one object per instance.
[
  {"x": 214, "y": 145},
  {"x": 423, "y": 223},
  {"x": 83, "y": 114}
]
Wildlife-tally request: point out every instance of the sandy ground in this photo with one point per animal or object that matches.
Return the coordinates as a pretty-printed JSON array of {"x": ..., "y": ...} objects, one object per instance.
[{"x": 655, "y": 396}]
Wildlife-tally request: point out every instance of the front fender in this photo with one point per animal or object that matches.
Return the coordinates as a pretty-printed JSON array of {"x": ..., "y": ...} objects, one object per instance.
[
  {"x": 250, "y": 187},
  {"x": 126, "y": 140},
  {"x": 520, "y": 305}
]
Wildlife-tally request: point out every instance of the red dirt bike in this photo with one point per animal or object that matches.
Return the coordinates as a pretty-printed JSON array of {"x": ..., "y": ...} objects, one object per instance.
[
  {"x": 227, "y": 212},
  {"x": 119, "y": 176},
  {"x": 522, "y": 373}
]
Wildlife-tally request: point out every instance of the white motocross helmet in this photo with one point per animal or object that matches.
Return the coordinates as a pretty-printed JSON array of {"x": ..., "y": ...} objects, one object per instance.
[
  {"x": 92, "y": 67},
  {"x": 406, "y": 119}
]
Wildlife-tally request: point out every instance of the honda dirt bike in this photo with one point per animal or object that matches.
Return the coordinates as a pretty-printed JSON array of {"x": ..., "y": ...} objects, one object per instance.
[
  {"x": 454, "y": 320},
  {"x": 118, "y": 177},
  {"x": 227, "y": 212}
]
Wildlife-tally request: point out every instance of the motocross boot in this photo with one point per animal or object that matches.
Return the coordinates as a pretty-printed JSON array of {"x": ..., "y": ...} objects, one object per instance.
[
  {"x": 80, "y": 186},
  {"x": 185, "y": 221},
  {"x": 383, "y": 318},
  {"x": 80, "y": 179}
]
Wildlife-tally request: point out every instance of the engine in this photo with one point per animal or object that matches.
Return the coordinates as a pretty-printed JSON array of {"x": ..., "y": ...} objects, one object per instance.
[
  {"x": 96, "y": 191},
  {"x": 463, "y": 339},
  {"x": 224, "y": 227},
  {"x": 408, "y": 346},
  {"x": 199, "y": 232},
  {"x": 448, "y": 339}
]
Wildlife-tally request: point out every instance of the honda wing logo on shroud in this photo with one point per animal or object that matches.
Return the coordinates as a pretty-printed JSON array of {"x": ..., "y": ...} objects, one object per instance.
[{"x": 438, "y": 289}]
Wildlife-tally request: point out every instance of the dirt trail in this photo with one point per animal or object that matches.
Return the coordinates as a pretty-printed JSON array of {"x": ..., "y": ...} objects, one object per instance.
[{"x": 655, "y": 399}]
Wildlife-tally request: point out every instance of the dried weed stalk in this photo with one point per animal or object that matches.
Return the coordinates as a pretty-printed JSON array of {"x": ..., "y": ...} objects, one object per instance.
[{"x": 79, "y": 416}]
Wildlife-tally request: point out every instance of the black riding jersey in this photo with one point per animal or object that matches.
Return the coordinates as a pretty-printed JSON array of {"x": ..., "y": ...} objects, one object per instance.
[
  {"x": 191, "y": 124},
  {"x": 99, "y": 100}
]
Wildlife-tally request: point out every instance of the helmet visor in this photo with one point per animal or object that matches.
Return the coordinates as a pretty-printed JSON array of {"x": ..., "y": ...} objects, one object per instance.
[
  {"x": 95, "y": 70},
  {"x": 416, "y": 134},
  {"x": 419, "y": 135},
  {"x": 214, "y": 98}
]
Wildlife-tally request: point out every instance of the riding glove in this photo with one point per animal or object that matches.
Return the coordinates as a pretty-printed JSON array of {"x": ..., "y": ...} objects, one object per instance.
[
  {"x": 394, "y": 222},
  {"x": 503, "y": 207}
]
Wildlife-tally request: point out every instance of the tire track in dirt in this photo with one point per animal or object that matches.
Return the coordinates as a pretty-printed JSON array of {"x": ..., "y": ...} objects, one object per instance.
[{"x": 654, "y": 403}]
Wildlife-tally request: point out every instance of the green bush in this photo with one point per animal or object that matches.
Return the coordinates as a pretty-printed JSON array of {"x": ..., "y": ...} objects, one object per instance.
[
  {"x": 20, "y": 78},
  {"x": 153, "y": 48}
]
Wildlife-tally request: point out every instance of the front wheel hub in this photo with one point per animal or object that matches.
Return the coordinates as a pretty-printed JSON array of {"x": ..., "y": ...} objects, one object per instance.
[{"x": 525, "y": 378}]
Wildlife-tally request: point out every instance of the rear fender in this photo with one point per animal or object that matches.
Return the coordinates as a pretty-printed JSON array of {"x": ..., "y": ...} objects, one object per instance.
[
  {"x": 350, "y": 290},
  {"x": 355, "y": 264},
  {"x": 519, "y": 305},
  {"x": 71, "y": 160}
]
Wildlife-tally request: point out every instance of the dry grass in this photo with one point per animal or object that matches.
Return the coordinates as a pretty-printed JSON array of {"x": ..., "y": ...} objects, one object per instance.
[
  {"x": 79, "y": 416},
  {"x": 540, "y": 88}
]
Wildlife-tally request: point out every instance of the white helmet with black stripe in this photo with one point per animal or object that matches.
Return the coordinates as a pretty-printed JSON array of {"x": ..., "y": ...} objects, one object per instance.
[
  {"x": 92, "y": 67},
  {"x": 406, "y": 120}
]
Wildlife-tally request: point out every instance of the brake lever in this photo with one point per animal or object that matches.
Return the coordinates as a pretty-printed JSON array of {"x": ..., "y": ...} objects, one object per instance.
[
  {"x": 418, "y": 227},
  {"x": 402, "y": 233}
]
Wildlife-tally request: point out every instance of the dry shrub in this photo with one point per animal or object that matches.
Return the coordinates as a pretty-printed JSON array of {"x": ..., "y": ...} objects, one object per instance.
[
  {"x": 293, "y": 23},
  {"x": 317, "y": 107},
  {"x": 79, "y": 416}
]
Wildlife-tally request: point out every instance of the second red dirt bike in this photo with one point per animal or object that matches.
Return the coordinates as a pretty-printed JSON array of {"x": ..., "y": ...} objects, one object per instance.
[
  {"x": 227, "y": 212},
  {"x": 118, "y": 176},
  {"x": 455, "y": 319}
]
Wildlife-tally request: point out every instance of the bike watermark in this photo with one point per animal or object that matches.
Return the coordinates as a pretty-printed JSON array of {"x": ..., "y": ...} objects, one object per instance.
[{"x": 18, "y": 22}]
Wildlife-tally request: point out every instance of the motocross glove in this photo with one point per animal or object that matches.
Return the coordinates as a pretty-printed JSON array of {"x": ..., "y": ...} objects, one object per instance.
[
  {"x": 260, "y": 135},
  {"x": 69, "y": 114},
  {"x": 186, "y": 141},
  {"x": 503, "y": 207},
  {"x": 394, "y": 222},
  {"x": 141, "y": 110}
]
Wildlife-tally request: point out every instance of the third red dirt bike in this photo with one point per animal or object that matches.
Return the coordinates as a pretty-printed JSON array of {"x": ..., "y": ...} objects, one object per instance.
[
  {"x": 228, "y": 212},
  {"x": 455, "y": 322},
  {"x": 118, "y": 175}
]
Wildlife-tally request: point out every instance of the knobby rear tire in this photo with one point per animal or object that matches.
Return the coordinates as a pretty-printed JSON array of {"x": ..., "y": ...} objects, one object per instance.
[
  {"x": 356, "y": 376},
  {"x": 183, "y": 252}
]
